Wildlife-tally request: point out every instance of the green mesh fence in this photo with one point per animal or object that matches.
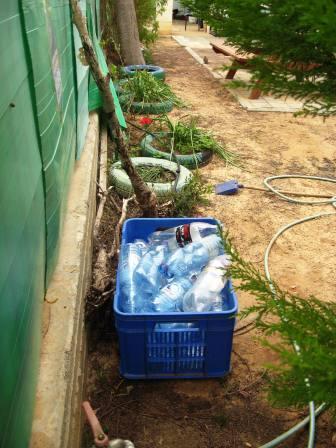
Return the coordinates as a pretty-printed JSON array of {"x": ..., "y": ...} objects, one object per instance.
[
  {"x": 48, "y": 28},
  {"x": 22, "y": 234},
  {"x": 82, "y": 76},
  {"x": 95, "y": 99},
  {"x": 43, "y": 122}
]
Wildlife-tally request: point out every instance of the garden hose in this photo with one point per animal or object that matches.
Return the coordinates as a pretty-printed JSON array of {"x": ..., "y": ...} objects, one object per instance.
[
  {"x": 294, "y": 429},
  {"x": 312, "y": 412},
  {"x": 267, "y": 184}
]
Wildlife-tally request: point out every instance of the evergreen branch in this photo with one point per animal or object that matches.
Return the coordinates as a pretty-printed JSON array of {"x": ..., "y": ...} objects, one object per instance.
[
  {"x": 294, "y": 44},
  {"x": 309, "y": 322}
]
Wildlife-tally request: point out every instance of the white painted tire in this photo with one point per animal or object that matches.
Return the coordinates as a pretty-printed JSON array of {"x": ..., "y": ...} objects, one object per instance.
[{"x": 120, "y": 180}]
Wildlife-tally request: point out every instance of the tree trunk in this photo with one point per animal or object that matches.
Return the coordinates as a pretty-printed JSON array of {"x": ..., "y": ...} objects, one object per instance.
[
  {"x": 128, "y": 32},
  {"x": 145, "y": 197}
]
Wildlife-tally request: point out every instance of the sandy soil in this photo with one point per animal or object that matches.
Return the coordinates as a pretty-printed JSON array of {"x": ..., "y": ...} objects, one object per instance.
[
  {"x": 233, "y": 412},
  {"x": 269, "y": 144}
]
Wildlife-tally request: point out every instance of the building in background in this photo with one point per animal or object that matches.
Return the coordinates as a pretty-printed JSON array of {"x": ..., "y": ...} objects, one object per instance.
[{"x": 166, "y": 19}]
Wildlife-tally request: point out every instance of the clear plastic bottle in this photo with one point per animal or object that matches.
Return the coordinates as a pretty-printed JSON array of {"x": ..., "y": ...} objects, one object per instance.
[
  {"x": 182, "y": 235},
  {"x": 169, "y": 299},
  {"x": 148, "y": 277},
  {"x": 191, "y": 259},
  {"x": 205, "y": 294},
  {"x": 142, "y": 245},
  {"x": 130, "y": 257}
]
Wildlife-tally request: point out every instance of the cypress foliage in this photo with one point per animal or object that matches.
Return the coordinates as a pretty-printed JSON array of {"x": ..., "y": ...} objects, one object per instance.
[
  {"x": 307, "y": 322},
  {"x": 294, "y": 43}
]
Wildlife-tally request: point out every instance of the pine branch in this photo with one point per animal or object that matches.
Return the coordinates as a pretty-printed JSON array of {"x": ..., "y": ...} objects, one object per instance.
[
  {"x": 309, "y": 322},
  {"x": 294, "y": 44}
]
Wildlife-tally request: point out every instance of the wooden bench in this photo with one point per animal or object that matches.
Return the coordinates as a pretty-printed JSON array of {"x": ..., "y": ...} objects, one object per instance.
[
  {"x": 238, "y": 61},
  {"x": 242, "y": 61}
]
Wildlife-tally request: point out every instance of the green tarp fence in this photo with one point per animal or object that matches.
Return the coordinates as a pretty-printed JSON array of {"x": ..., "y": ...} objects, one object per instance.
[
  {"x": 44, "y": 108},
  {"x": 95, "y": 99},
  {"x": 82, "y": 73},
  {"x": 48, "y": 28},
  {"x": 22, "y": 233}
]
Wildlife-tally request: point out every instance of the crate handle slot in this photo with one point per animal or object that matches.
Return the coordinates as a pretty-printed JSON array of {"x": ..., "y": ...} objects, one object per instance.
[{"x": 174, "y": 326}]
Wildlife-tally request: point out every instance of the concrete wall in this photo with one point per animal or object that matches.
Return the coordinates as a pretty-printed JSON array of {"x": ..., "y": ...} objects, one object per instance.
[{"x": 166, "y": 19}]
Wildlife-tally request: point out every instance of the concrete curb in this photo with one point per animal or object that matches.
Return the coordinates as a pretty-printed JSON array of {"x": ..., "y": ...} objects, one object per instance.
[
  {"x": 199, "y": 59},
  {"x": 263, "y": 104},
  {"x": 57, "y": 419}
]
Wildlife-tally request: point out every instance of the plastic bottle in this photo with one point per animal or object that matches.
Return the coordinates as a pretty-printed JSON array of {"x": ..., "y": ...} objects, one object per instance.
[
  {"x": 217, "y": 303},
  {"x": 189, "y": 260},
  {"x": 182, "y": 235},
  {"x": 142, "y": 245},
  {"x": 205, "y": 294},
  {"x": 148, "y": 276},
  {"x": 130, "y": 258},
  {"x": 169, "y": 299}
]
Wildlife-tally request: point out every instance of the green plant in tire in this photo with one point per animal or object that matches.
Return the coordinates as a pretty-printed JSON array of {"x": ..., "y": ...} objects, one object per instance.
[
  {"x": 155, "y": 174},
  {"x": 145, "y": 88},
  {"x": 185, "y": 137}
]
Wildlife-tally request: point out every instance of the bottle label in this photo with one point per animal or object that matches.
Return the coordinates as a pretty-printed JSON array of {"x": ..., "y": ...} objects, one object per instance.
[{"x": 183, "y": 236}]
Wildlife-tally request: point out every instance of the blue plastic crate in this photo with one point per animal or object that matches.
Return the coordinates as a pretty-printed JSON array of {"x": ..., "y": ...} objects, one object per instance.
[{"x": 200, "y": 348}]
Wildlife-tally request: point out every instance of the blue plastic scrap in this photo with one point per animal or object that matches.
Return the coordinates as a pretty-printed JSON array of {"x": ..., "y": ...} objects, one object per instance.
[{"x": 228, "y": 188}]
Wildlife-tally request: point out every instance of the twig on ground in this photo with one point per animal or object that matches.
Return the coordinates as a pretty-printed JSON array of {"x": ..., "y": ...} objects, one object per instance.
[
  {"x": 100, "y": 211},
  {"x": 155, "y": 416},
  {"x": 245, "y": 328},
  {"x": 101, "y": 190},
  {"x": 117, "y": 387},
  {"x": 243, "y": 360},
  {"x": 244, "y": 390},
  {"x": 100, "y": 272},
  {"x": 111, "y": 198},
  {"x": 105, "y": 295},
  {"x": 114, "y": 202},
  {"x": 166, "y": 204},
  {"x": 248, "y": 330},
  {"x": 110, "y": 409},
  {"x": 116, "y": 241}
]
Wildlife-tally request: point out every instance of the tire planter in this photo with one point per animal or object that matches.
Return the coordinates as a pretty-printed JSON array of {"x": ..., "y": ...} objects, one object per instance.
[
  {"x": 145, "y": 108},
  {"x": 141, "y": 108},
  {"x": 156, "y": 71},
  {"x": 123, "y": 186},
  {"x": 191, "y": 161}
]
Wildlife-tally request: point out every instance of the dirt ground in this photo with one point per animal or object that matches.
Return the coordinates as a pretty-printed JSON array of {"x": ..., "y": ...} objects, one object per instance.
[{"x": 232, "y": 412}]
